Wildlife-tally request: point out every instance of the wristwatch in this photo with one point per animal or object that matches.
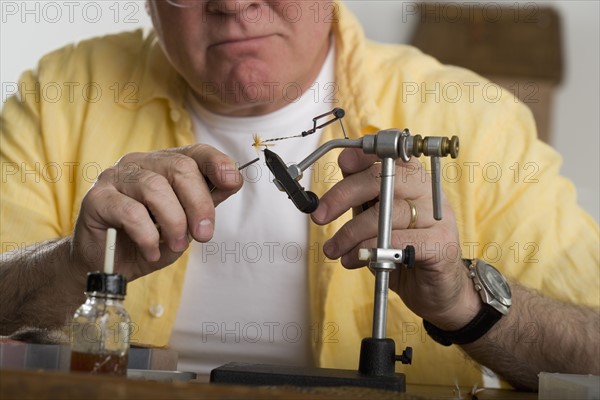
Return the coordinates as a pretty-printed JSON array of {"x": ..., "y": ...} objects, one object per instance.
[
  {"x": 490, "y": 284},
  {"x": 497, "y": 299}
]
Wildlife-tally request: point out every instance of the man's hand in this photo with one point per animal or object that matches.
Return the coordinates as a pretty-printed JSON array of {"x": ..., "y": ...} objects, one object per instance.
[
  {"x": 438, "y": 288},
  {"x": 159, "y": 201}
]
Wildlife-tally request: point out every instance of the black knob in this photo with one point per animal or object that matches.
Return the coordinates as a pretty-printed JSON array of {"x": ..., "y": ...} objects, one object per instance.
[
  {"x": 311, "y": 203},
  {"x": 408, "y": 257},
  {"x": 406, "y": 356}
]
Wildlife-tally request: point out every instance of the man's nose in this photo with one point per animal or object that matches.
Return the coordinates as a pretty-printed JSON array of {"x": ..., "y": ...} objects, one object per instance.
[{"x": 230, "y": 6}]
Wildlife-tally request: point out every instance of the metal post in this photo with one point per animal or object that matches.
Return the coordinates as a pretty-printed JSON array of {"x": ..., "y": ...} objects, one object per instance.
[{"x": 384, "y": 239}]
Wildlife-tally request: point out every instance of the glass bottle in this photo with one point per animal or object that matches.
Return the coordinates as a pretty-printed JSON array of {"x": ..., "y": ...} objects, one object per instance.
[{"x": 100, "y": 327}]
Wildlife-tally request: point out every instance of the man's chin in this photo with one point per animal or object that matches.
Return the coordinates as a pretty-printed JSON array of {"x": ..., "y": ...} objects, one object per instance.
[
  {"x": 246, "y": 97},
  {"x": 237, "y": 104}
]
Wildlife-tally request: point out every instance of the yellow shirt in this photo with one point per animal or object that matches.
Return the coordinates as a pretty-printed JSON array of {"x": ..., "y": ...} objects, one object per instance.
[{"x": 91, "y": 103}]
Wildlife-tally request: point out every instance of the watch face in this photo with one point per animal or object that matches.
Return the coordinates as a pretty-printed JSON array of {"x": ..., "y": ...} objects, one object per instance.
[{"x": 495, "y": 282}]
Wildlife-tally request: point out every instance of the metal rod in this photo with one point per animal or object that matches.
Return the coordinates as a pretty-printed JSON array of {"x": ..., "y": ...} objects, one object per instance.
[
  {"x": 384, "y": 239},
  {"x": 326, "y": 147},
  {"x": 382, "y": 278},
  {"x": 436, "y": 188}
]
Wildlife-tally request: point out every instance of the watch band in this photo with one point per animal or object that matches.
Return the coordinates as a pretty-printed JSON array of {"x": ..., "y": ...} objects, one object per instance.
[{"x": 475, "y": 329}]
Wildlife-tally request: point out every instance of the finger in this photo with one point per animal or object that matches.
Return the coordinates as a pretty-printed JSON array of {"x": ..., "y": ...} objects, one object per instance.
[
  {"x": 412, "y": 179},
  {"x": 225, "y": 180},
  {"x": 133, "y": 267},
  {"x": 104, "y": 207},
  {"x": 353, "y": 160},
  {"x": 188, "y": 183},
  {"x": 410, "y": 175},
  {"x": 156, "y": 193},
  {"x": 218, "y": 168},
  {"x": 351, "y": 191},
  {"x": 434, "y": 248},
  {"x": 365, "y": 225}
]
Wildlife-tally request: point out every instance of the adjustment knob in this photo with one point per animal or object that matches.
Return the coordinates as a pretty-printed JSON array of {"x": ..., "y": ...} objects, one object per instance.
[
  {"x": 408, "y": 256},
  {"x": 406, "y": 356},
  {"x": 454, "y": 146}
]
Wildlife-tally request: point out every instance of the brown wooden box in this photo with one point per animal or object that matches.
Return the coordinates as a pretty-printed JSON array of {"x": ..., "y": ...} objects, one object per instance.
[{"x": 516, "y": 45}]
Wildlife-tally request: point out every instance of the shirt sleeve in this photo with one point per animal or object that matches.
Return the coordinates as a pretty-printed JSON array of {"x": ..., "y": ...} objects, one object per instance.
[{"x": 29, "y": 208}]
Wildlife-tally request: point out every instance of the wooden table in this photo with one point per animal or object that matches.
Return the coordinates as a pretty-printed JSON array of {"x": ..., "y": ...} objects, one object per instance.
[{"x": 25, "y": 384}]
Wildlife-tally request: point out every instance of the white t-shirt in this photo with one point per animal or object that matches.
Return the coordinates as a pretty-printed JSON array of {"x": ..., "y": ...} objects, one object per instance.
[{"x": 245, "y": 292}]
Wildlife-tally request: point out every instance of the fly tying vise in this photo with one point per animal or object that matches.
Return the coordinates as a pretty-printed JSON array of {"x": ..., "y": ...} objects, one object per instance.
[{"x": 378, "y": 353}]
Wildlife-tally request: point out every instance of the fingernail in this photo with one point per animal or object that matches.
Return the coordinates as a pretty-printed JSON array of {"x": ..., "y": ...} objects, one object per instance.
[
  {"x": 205, "y": 230},
  {"x": 321, "y": 212}
]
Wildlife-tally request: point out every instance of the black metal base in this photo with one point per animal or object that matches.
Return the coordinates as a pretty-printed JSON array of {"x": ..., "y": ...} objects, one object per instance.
[{"x": 263, "y": 374}]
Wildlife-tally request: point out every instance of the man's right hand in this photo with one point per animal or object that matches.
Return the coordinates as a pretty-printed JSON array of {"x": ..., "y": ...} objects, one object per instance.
[{"x": 159, "y": 201}]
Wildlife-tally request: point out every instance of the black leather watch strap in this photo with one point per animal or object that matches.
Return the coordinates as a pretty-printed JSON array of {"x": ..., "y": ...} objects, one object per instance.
[{"x": 479, "y": 326}]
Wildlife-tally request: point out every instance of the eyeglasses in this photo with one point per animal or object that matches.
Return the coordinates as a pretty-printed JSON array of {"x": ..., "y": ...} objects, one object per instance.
[
  {"x": 216, "y": 7},
  {"x": 186, "y": 3},
  {"x": 198, "y": 3}
]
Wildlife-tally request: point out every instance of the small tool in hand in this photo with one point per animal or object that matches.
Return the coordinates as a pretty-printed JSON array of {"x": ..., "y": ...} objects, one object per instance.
[{"x": 211, "y": 187}]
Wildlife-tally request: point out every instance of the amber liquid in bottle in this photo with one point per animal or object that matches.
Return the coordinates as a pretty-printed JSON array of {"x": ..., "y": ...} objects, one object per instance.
[
  {"x": 106, "y": 364},
  {"x": 100, "y": 327}
]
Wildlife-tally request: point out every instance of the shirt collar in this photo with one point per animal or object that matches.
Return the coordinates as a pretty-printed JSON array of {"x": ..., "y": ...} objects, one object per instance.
[
  {"x": 351, "y": 74},
  {"x": 154, "y": 76}
]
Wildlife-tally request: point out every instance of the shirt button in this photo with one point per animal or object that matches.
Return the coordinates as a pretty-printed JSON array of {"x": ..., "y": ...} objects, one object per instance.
[
  {"x": 156, "y": 310},
  {"x": 175, "y": 115}
]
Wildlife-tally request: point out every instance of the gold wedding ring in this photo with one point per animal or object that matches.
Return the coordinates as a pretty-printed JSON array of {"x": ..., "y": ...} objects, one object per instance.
[{"x": 413, "y": 214}]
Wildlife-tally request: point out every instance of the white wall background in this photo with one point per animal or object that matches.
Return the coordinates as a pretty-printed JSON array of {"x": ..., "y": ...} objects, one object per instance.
[{"x": 30, "y": 29}]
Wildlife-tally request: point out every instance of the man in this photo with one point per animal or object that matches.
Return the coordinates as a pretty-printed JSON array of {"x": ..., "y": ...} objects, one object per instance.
[{"x": 216, "y": 67}]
